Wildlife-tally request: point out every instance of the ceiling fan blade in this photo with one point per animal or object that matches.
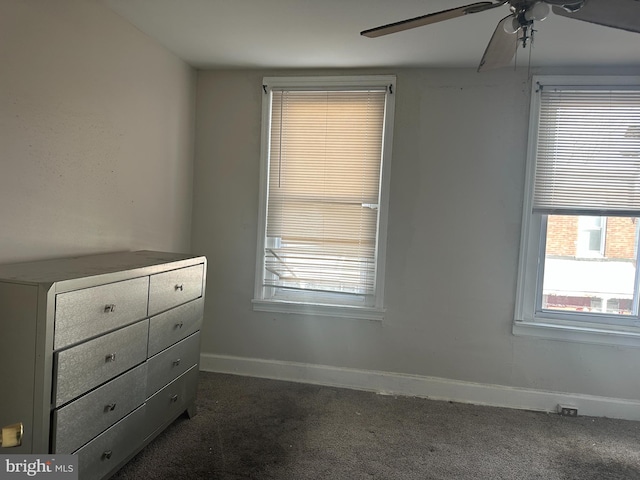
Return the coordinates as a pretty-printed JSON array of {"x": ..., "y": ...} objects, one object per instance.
[
  {"x": 501, "y": 49},
  {"x": 430, "y": 18},
  {"x": 622, "y": 14}
]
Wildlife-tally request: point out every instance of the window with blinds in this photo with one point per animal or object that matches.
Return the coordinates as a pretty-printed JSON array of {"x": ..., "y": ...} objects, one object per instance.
[
  {"x": 325, "y": 155},
  {"x": 578, "y": 275},
  {"x": 588, "y": 151}
]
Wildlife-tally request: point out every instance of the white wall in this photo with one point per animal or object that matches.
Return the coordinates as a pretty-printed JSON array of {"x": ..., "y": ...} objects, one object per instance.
[
  {"x": 96, "y": 134},
  {"x": 454, "y": 231}
]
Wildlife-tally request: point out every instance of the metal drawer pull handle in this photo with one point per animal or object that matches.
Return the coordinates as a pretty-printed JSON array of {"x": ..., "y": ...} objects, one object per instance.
[
  {"x": 179, "y": 325},
  {"x": 110, "y": 408},
  {"x": 110, "y": 358},
  {"x": 111, "y": 307},
  {"x": 174, "y": 398},
  {"x": 180, "y": 287},
  {"x": 11, "y": 435},
  {"x": 107, "y": 454},
  {"x": 176, "y": 362}
]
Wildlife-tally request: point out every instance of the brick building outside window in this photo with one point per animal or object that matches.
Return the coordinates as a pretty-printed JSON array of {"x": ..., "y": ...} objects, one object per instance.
[{"x": 590, "y": 264}]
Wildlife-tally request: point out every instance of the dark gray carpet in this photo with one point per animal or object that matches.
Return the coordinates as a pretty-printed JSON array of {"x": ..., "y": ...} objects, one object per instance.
[{"x": 251, "y": 428}]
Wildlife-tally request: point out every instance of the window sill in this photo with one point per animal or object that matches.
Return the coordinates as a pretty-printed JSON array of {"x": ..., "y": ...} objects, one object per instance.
[
  {"x": 339, "y": 311},
  {"x": 580, "y": 333}
]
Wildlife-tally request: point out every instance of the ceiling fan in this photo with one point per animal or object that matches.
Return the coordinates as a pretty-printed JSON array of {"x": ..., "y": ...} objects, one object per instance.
[{"x": 517, "y": 28}]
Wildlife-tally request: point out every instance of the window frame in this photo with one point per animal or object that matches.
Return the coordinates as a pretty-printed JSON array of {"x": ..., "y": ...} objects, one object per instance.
[
  {"x": 529, "y": 319},
  {"x": 263, "y": 302}
]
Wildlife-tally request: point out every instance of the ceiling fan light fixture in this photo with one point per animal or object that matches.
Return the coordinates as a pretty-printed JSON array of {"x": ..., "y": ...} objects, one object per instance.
[
  {"x": 511, "y": 26},
  {"x": 618, "y": 14},
  {"x": 538, "y": 12}
]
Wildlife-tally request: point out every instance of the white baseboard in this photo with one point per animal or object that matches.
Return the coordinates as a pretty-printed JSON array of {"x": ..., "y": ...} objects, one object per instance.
[{"x": 420, "y": 386}]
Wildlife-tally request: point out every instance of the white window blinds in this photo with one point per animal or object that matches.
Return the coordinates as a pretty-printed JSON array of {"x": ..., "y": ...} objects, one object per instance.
[
  {"x": 323, "y": 193},
  {"x": 588, "y": 152}
]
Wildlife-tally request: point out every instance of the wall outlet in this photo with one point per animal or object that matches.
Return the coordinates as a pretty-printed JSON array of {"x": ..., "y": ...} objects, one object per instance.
[{"x": 567, "y": 411}]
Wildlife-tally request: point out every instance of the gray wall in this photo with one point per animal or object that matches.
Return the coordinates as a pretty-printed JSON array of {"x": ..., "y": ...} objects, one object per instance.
[
  {"x": 96, "y": 134},
  {"x": 454, "y": 230}
]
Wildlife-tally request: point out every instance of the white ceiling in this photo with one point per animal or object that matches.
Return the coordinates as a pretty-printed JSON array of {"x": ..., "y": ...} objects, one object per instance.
[{"x": 326, "y": 33}]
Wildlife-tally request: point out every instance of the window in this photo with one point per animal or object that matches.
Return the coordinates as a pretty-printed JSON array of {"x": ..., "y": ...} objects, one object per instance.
[
  {"x": 326, "y": 144},
  {"x": 578, "y": 276},
  {"x": 591, "y": 236}
]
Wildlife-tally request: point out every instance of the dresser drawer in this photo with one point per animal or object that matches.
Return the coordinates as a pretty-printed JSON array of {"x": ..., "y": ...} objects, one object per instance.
[
  {"x": 170, "y": 401},
  {"x": 172, "y": 288},
  {"x": 105, "y": 452},
  {"x": 92, "y": 363},
  {"x": 172, "y": 362},
  {"x": 89, "y": 312},
  {"x": 81, "y": 420},
  {"x": 174, "y": 325}
]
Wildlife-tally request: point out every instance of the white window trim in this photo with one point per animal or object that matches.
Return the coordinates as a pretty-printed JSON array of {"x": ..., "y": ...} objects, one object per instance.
[
  {"x": 548, "y": 325},
  {"x": 377, "y": 311}
]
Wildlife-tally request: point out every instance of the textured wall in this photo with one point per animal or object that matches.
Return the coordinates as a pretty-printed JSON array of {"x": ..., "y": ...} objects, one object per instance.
[{"x": 97, "y": 126}]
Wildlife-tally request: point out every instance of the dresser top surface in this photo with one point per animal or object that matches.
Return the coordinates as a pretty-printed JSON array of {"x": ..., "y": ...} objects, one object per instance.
[{"x": 68, "y": 268}]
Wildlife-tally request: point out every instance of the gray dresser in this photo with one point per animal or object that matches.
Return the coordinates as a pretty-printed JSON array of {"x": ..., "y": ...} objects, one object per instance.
[{"x": 98, "y": 354}]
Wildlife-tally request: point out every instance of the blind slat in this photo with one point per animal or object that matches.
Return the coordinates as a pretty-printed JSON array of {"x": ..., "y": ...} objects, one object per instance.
[
  {"x": 324, "y": 181},
  {"x": 588, "y": 152}
]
